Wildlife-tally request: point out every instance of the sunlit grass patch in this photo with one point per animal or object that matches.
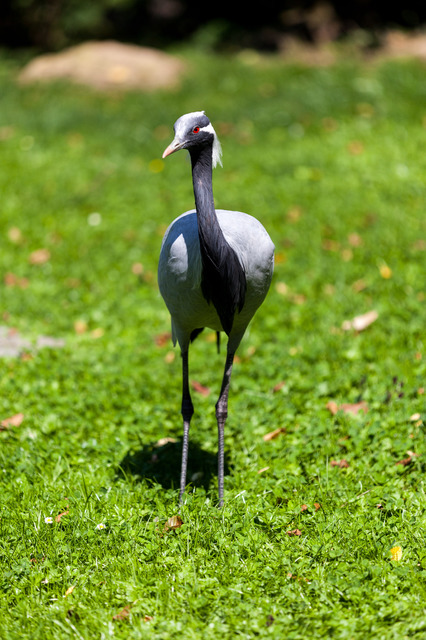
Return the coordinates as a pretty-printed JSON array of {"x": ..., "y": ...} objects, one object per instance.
[{"x": 323, "y": 529}]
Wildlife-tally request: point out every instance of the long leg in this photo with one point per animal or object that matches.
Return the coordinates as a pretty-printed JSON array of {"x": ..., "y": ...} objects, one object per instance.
[
  {"x": 221, "y": 415},
  {"x": 187, "y": 412}
]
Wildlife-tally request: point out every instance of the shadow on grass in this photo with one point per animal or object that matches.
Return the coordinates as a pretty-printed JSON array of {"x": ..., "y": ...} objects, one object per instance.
[{"x": 162, "y": 464}]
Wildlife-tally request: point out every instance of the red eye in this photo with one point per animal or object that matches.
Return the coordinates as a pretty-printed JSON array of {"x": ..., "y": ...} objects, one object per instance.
[{"x": 196, "y": 130}]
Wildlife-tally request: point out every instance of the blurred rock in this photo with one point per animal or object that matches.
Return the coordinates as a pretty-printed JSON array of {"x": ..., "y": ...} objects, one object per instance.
[
  {"x": 398, "y": 44},
  {"x": 107, "y": 66},
  {"x": 13, "y": 345}
]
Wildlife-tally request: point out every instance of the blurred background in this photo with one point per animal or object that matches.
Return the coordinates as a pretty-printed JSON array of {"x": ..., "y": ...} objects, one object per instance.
[{"x": 49, "y": 25}]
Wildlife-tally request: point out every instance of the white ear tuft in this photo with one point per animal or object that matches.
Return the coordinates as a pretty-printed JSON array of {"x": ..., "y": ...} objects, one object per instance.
[
  {"x": 217, "y": 151},
  {"x": 217, "y": 147}
]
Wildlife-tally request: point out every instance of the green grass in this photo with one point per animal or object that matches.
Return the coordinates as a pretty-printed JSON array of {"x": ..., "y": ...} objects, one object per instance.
[{"x": 332, "y": 161}]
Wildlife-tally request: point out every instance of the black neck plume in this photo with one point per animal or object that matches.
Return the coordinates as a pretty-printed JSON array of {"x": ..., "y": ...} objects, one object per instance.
[{"x": 223, "y": 280}]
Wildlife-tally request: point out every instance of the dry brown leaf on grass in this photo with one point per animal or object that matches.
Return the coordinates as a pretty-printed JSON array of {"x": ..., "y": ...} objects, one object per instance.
[
  {"x": 342, "y": 464},
  {"x": 298, "y": 578},
  {"x": 14, "y": 233},
  {"x": 333, "y": 407},
  {"x": 278, "y": 386},
  {"x": 405, "y": 461},
  {"x": 263, "y": 469},
  {"x": 359, "y": 323},
  {"x": 40, "y": 256},
  {"x": 59, "y": 517},
  {"x": 200, "y": 388},
  {"x": 354, "y": 239},
  {"x": 12, "y": 280},
  {"x": 12, "y": 421},
  {"x": 304, "y": 507},
  {"x": 274, "y": 434},
  {"x": 175, "y": 522},
  {"x": 294, "y": 532},
  {"x": 137, "y": 268},
  {"x": 123, "y": 614},
  {"x": 359, "y": 285},
  {"x": 282, "y": 288},
  {"x": 409, "y": 460},
  {"x": 162, "y": 339},
  {"x": 80, "y": 326},
  {"x": 353, "y": 408}
]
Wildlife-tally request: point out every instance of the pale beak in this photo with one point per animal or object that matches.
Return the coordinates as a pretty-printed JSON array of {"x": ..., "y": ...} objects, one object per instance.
[{"x": 173, "y": 146}]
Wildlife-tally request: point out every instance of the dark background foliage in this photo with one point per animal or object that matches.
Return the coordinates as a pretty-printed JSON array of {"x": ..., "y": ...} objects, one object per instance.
[{"x": 53, "y": 24}]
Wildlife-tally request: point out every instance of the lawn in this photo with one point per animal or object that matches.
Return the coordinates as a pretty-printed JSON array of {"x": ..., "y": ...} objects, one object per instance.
[{"x": 323, "y": 529}]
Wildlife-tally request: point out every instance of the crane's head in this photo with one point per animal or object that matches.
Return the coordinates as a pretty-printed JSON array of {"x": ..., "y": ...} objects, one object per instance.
[{"x": 195, "y": 130}]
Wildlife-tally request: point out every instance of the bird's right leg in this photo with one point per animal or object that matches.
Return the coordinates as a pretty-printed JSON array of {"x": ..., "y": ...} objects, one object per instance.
[
  {"x": 221, "y": 415},
  {"x": 187, "y": 412}
]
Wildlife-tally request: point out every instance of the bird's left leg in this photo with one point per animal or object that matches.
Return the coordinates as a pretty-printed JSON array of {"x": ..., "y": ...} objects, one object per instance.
[
  {"x": 221, "y": 415},
  {"x": 187, "y": 412}
]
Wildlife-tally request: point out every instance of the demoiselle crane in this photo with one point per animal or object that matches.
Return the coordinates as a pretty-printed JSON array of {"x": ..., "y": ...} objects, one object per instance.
[{"x": 214, "y": 271}]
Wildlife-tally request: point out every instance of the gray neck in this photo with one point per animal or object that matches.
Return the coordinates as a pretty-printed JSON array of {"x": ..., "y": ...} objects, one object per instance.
[{"x": 202, "y": 169}]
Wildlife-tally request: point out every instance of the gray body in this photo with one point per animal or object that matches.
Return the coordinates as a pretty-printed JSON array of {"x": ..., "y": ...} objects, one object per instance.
[{"x": 179, "y": 273}]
